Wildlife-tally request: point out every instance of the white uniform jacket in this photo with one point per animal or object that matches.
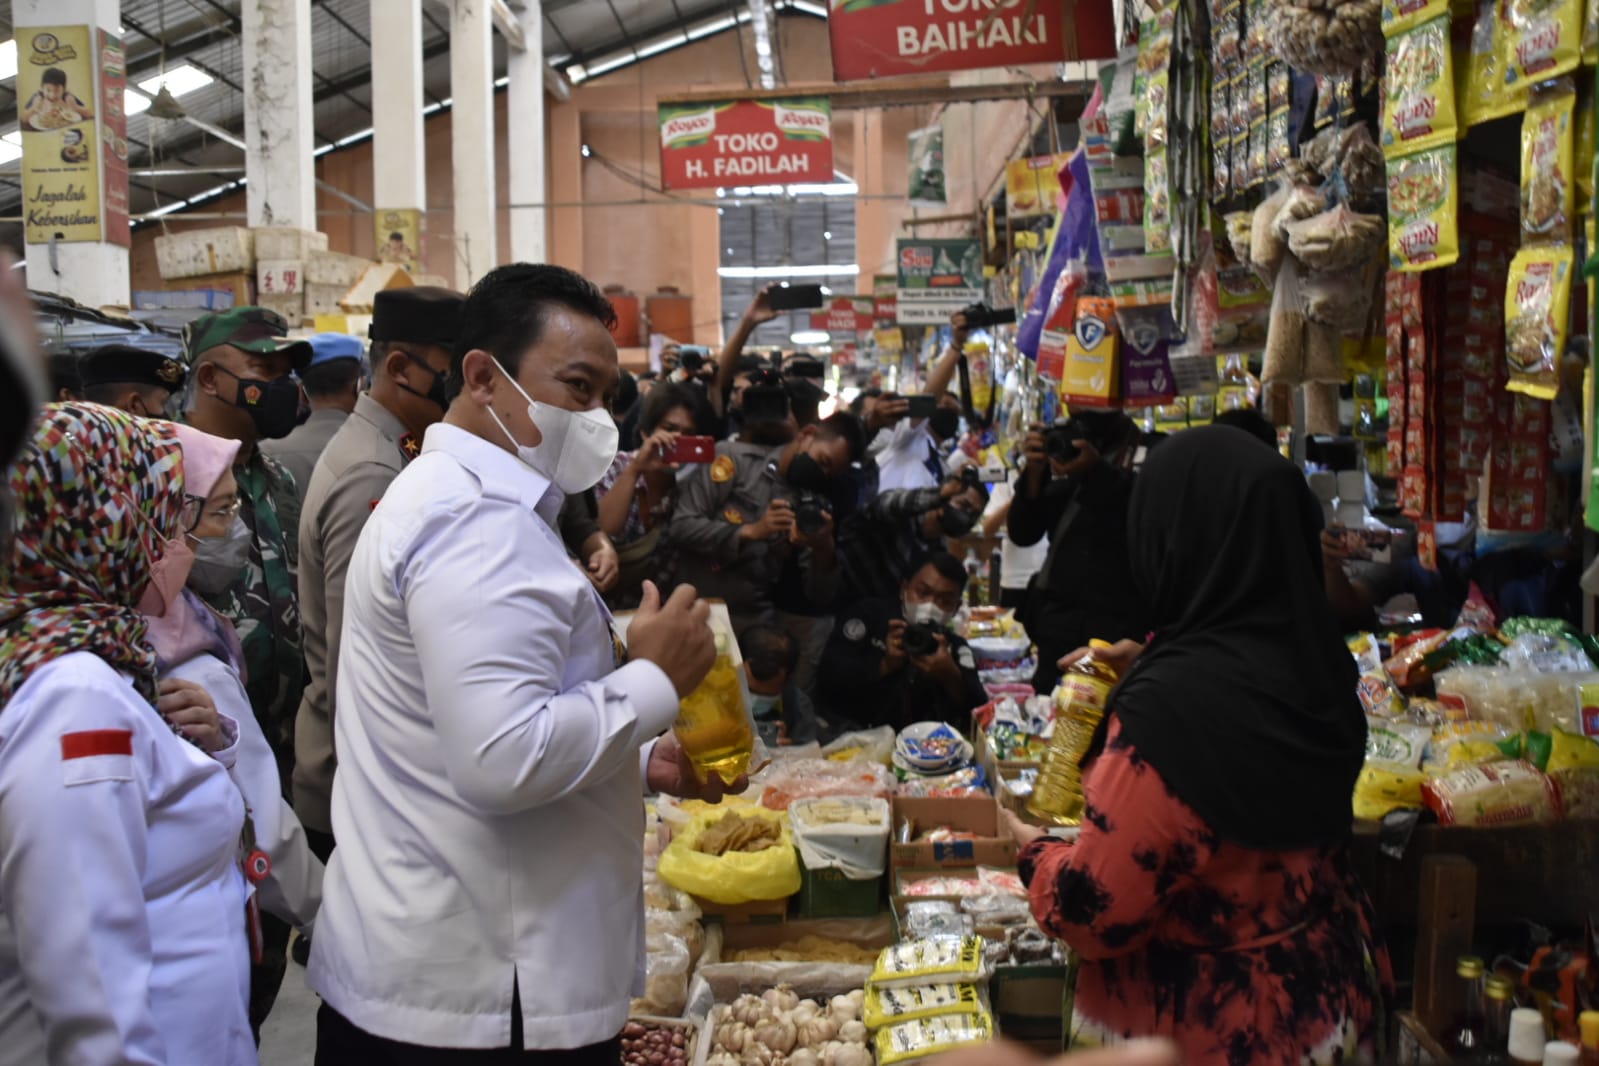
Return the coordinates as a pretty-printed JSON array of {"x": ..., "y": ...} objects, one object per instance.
[
  {"x": 123, "y": 939},
  {"x": 487, "y": 802}
]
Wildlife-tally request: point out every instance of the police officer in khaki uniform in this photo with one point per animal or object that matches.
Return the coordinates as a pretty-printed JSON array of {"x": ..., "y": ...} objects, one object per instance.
[{"x": 413, "y": 331}]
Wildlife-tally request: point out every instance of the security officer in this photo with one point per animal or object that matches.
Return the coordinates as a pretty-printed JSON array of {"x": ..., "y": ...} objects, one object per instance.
[
  {"x": 413, "y": 331},
  {"x": 331, "y": 384},
  {"x": 136, "y": 380},
  {"x": 735, "y": 527},
  {"x": 895, "y": 662}
]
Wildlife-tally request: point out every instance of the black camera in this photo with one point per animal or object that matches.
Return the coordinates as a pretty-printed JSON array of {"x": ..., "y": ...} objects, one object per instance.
[
  {"x": 970, "y": 478},
  {"x": 691, "y": 357},
  {"x": 1058, "y": 441},
  {"x": 981, "y": 316},
  {"x": 921, "y": 639},
  {"x": 811, "y": 511}
]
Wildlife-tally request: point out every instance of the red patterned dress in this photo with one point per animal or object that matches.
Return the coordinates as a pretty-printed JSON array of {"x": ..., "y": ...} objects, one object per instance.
[{"x": 1243, "y": 957}]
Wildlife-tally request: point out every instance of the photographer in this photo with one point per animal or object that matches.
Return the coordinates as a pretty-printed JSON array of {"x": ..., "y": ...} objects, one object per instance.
[
  {"x": 911, "y": 454},
  {"x": 755, "y": 509},
  {"x": 892, "y": 661},
  {"x": 1074, "y": 490},
  {"x": 879, "y": 546},
  {"x": 732, "y": 364}
]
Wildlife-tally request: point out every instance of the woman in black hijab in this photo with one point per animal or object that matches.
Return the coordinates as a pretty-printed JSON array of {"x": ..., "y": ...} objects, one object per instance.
[{"x": 1209, "y": 894}]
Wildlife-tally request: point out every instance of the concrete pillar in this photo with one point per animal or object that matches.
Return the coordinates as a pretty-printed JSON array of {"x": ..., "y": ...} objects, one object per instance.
[
  {"x": 874, "y": 230},
  {"x": 279, "y": 168},
  {"x": 526, "y": 145},
  {"x": 399, "y": 156},
  {"x": 92, "y": 271},
  {"x": 472, "y": 143},
  {"x": 566, "y": 185}
]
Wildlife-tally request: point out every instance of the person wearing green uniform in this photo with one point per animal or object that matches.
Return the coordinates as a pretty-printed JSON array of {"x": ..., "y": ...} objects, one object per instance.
[{"x": 240, "y": 388}]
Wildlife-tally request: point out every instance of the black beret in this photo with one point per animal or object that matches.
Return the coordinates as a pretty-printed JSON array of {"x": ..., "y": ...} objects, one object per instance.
[
  {"x": 421, "y": 314},
  {"x": 125, "y": 364}
]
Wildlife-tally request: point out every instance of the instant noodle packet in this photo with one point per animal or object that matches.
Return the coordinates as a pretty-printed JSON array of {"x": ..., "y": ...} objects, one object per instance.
[
  {"x": 891, "y": 1006},
  {"x": 1543, "y": 39},
  {"x": 1423, "y": 210},
  {"x": 1500, "y": 793},
  {"x": 1419, "y": 89},
  {"x": 1486, "y": 95},
  {"x": 1401, "y": 15},
  {"x": 1547, "y": 165},
  {"x": 922, "y": 962},
  {"x": 910, "y": 1042},
  {"x": 1537, "y": 303},
  {"x": 1590, "y": 33},
  {"x": 1587, "y": 128}
]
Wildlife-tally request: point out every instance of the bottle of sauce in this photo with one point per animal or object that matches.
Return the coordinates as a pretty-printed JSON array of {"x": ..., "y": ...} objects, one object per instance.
[
  {"x": 1079, "y": 705},
  {"x": 1561, "y": 1053},
  {"x": 1498, "y": 999},
  {"x": 1467, "y": 1033},
  {"x": 1527, "y": 1038},
  {"x": 713, "y": 724},
  {"x": 1588, "y": 1026}
]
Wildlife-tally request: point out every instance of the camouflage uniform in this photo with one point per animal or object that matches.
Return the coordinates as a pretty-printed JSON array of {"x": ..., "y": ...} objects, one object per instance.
[{"x": 263, "y": 607}]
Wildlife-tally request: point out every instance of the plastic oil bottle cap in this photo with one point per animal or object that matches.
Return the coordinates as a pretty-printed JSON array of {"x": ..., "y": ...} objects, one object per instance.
[
  {"x": 1560, "y": 1053},
  {"x": 1469, "y": 966},
  {"x": 1588, "y": 1022},
  {"x": 1501, "y": 988},
  {"x": 1526, "y": 1035}
]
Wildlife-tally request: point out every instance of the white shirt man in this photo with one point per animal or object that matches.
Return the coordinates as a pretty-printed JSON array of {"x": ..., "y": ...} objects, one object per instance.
[{"x": 486, "y": 891}]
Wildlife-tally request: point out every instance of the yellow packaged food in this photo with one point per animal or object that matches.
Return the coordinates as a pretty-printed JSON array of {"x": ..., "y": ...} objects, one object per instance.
[
  {"x": 1587, "y": 121},
  {"x": 1590, "y": 33},
  {"x": 1401, "y": 15},
  {"x": 912, "y": 1041},
  {"x": 1537, "y": 302},
  {"x": 1543, "y": 39},
  {"x": 1500, "y": 793},
  {"x": 1548, "y": 193},
  {"x": 1569, "y": 751},
  {"x": 1419, "y": 90},
  {"x": 1423, "y": 210},
  {"x": 891, "y": 1006},
  {"x": 1486, "y": 95},
  {"x": 922, "y": 962},
  {"x": 1474, "y": 753},
  {"x": 1157, "y": 204},
  {"x": 1381, "y": 788}
]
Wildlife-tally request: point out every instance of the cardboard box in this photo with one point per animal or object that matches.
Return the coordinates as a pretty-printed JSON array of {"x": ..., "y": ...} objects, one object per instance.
[
  {"x": 292, "y": 308},
  {"x": 977, "y": 814},
  {"x": 204, "y": 252},
  {"x": 829, "y": 893},
  {"x": 334, "y": 268},
  {"x": 286, "y": 242},
  {"x": 280, "y": 277},
  {"x": 323, "y": 300},
  {"x": 760, "y": 912}
]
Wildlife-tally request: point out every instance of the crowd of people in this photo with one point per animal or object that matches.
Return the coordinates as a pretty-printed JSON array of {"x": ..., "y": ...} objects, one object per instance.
[{"x": 332, "y": 651}]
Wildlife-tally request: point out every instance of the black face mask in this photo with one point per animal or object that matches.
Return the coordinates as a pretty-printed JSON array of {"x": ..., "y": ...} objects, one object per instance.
[
  {"x": 435, "y": 394},
  {"x": 806, "y": 473},
  {"x": 944, "y": 423},
  {"x": 955, "y": 523},
  {"x": 273, "y": 405}
]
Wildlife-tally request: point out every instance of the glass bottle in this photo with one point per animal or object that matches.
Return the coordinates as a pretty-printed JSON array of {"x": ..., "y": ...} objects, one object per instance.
[
  {"x": 1498, "y": 999},
  {"x": 713, "y": 724},
  {"x": 1588, "y": 1026},
  {"x": 1079, "y": 705},
  {"x": 1467, "y": 1033}
]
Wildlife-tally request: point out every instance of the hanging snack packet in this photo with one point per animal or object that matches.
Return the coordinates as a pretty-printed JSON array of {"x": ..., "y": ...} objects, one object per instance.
[
  {"x": 1424, "y": 210},
  {"x": 1544, "y": 40},
  {"x": 1091, "y": 372},
  {"x": 1590, "y": 33},
  {"x": 1419, "y": 89},
  {"x": 1587, "y": 121},
  {"x": 1547, "y": 165},
  {"x": 1401, "y": 15},
  {"x": 1486, "y": 96},
  {"x": 1537, "y": 303},
  {"x": 1157, "y": 204}
]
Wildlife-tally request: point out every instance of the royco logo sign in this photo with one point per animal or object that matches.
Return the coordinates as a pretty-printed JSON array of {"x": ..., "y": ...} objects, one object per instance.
[{"x": 746, "y": 142}]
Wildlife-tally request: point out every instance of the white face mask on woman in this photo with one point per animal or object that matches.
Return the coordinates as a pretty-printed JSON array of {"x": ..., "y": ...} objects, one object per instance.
[{"x": 576, "y": 447}]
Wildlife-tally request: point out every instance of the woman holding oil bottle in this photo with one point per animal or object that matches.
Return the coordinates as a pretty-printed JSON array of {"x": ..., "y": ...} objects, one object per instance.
[{"x": 1208, "y": 892}]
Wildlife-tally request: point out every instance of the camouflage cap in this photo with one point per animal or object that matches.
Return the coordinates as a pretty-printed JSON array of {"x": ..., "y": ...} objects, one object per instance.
[{"x": 251, "y": 329}]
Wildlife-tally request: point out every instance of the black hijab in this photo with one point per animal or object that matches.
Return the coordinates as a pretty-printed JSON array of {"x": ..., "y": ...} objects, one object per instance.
[{"x": 1245, "y": 699}]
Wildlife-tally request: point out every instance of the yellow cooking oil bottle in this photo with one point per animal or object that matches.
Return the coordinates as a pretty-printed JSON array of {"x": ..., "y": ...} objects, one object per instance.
[
  {"x": 713, "y": 724},
  {"x": 1079, "y": 705}
]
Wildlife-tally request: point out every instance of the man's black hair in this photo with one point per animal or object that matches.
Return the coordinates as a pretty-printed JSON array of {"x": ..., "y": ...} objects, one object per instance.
[
  {"x": 332, "y": 378},
  {"x": 626, "y": 394},
  {"x": 64, "y": 374},
  {"x": 54, "y": 76},
  {"x": 947, "y": 566},
  {"x": 769, "y": 651},
  {"x": 805, "y": 400},
  {"x": 1251, "y": 421},
  {"x": 967, "y": 484},
  {"x": 844, "y": 426},
  {"x": 669, "y": 397},
  {"x": 109, "y": 392},
  {"x": 506, "y": 310}
]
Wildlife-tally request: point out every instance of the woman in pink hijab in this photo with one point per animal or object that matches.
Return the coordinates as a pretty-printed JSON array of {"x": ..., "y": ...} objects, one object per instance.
[{"x": 197, "y": 648}]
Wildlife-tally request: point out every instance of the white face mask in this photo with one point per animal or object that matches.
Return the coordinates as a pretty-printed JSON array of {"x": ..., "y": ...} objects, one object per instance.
[
  {"x": 928, "y": 613},
  {"x": 577, "y": 447}
]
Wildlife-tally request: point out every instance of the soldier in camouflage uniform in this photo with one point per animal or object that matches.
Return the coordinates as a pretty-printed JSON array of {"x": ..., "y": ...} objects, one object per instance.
[{"x": 240, "y": 388}]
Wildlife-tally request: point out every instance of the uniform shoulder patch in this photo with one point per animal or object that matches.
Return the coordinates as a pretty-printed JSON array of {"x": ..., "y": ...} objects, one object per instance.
[
  {"x": 734, "y": 515},
  {"x": 854, "y": 629},
  {"x": 965, "y": 660},
  {"x": 722, "y": 469}
]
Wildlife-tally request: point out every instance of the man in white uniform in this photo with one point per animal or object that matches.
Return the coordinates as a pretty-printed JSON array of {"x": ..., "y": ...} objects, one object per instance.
[{"x": 485, "y": 903}]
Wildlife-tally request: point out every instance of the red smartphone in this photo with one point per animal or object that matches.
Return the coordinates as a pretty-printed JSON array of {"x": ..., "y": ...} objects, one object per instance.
[{"x": 692, "y": 450}]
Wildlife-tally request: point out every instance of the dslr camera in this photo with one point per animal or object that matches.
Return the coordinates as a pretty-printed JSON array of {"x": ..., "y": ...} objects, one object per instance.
[
  {"x": 1058, "y": 441},
  {"x": 921, "y": 638},
  {"x": 811, "y": 511},
  {"x": 691, "y": 357},
  {"x": 981, "y": 316}
]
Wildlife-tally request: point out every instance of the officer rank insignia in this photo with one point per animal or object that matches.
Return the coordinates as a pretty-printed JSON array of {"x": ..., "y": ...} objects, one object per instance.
[
  {"x": 733, "y": 515},
  {"x": 722, "y": 470},
  {"x": 410, "y": 447}
]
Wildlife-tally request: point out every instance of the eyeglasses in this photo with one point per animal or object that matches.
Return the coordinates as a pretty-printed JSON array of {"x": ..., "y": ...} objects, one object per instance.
[{"x": 195, "y": 512}]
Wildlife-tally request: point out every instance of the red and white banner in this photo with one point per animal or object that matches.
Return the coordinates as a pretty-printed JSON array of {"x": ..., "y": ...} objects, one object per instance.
[
  {"x": 882, "y": 38},
  {"x": 746, "y": 142},
  {"x": 114, "y": 140},
  {"x": 844, "y": 315}
]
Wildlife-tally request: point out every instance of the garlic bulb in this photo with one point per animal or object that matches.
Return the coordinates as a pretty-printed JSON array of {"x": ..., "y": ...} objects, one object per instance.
[
  {"x": 733, "y": 1038},
  {"x": 839, "y": 1007},
  {"x": 818, "y": 1031},
  {"x": 852, "y": 1032},
  {"x": 801, "y": 1057},
  {"x": 778, "y": 1035},
  {"x": 852, "y": 1055},
  {"x": 780, "y": 998},
  {"x": 803, "y": 1013},
  {"x": 748, "y": 1009},
  {"x": 722, "y": 1058},
  {"x": 757, "y": 1055}
]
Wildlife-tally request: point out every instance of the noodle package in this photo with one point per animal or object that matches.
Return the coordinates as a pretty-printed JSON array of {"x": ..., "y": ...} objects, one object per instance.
[
  {"x": 1548, "y": 150},
  {"x": 1424, "y": 210},
  {"x": 1543, "y": 40},
  {"x": 1537, "y": 305},
  {"x": 1419, "y": 89}
]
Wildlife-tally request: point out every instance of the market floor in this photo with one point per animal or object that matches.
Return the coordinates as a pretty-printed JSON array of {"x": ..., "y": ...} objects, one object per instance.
[{"x": 289, "y": 1036}]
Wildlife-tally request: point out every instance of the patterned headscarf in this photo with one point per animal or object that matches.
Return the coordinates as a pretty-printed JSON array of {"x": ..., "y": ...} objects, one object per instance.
[{"x": 80, "y": 558}]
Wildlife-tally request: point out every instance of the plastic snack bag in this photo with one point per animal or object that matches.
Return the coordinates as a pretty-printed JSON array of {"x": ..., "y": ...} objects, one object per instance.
[
  {"x": 891, "y": 1006},
  {"x": 913, "y": 1041},
  {"x": 1396, "y": 743},
  {"x": 1544, "y": 40},
  {"x": 1419, "y": 90},
  {"x": 1401, "y": 15},
  {"x": 1571, "y": 751},
  {"x": 1424, "y": 210},
  {"x": 1380, "y": 789},
  {"x": 1548, "y": 194},
  {"x": 921, "y": 962},
  {"x": 1501, "y": 793},
  {"x": 1337, "y": 239},
  {"x": 1537, "y": 302},
  {"x": 736, "y": 876}
]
